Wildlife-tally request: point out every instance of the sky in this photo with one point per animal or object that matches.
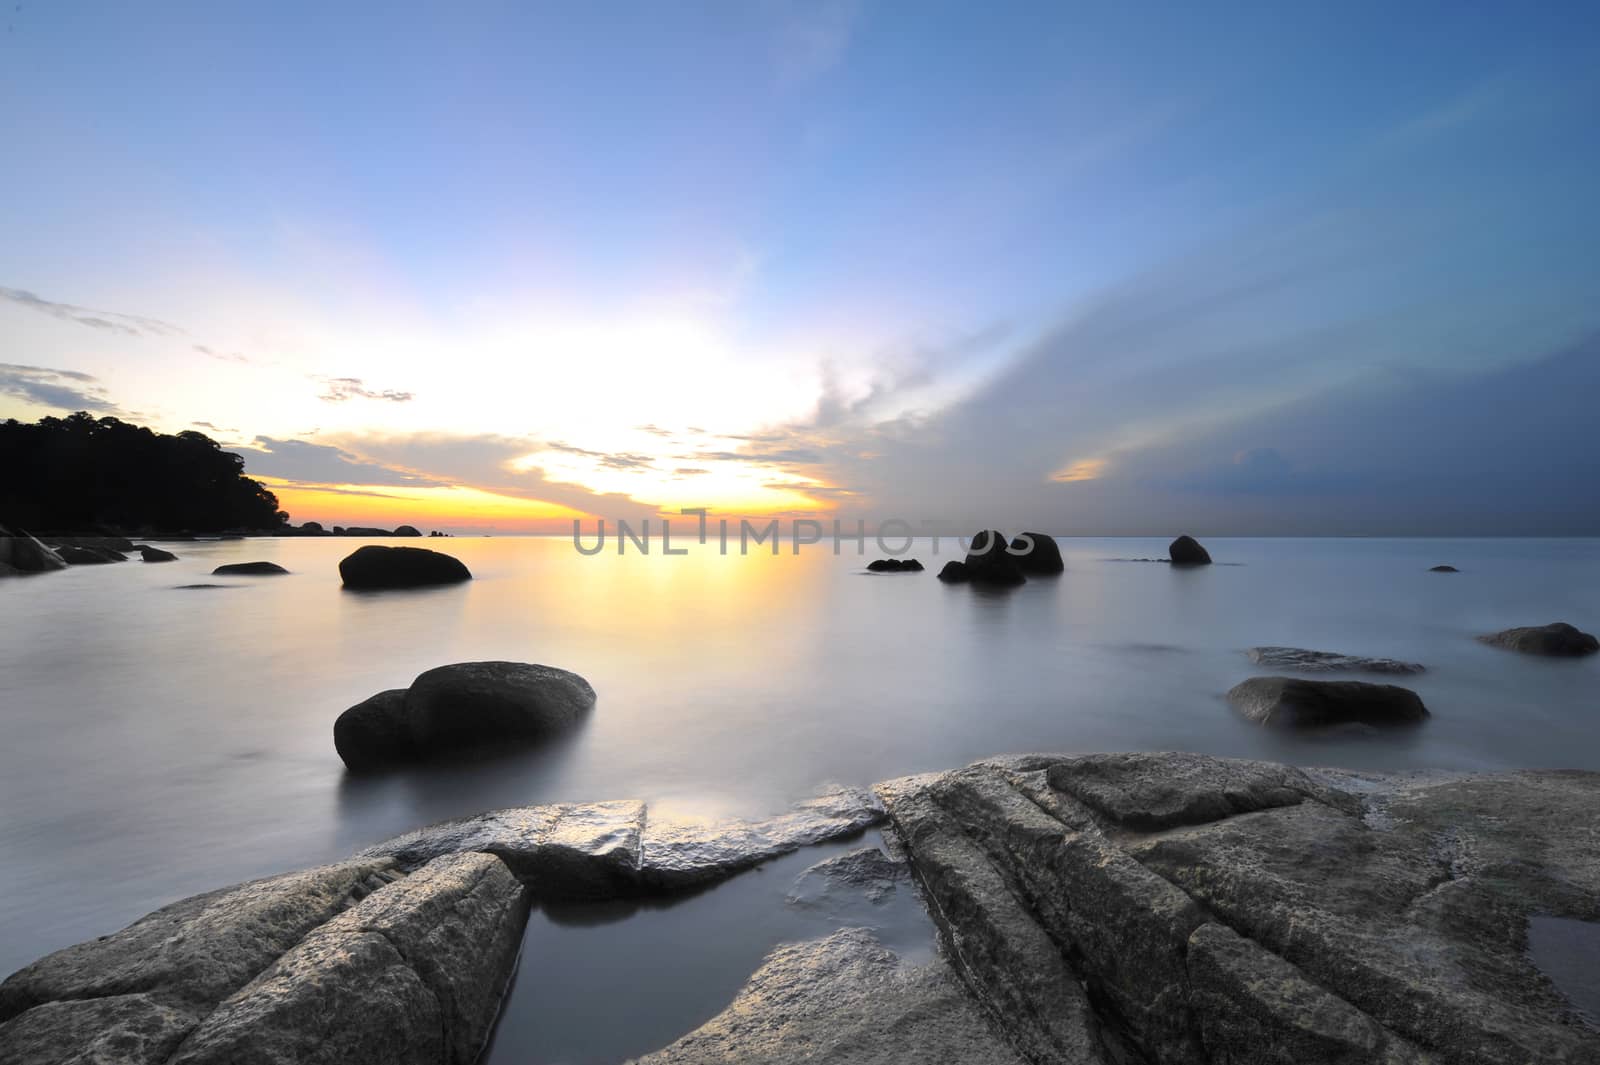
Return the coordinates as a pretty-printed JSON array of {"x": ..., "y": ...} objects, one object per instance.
[{"x": 1088, "y": 269}]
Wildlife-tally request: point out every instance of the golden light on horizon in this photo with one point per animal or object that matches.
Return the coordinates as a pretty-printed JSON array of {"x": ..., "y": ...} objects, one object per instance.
[{"x": 387, "y": 506}]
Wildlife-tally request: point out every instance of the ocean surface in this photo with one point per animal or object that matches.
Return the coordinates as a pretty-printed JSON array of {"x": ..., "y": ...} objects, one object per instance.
[{"x": 160, "y": 741}]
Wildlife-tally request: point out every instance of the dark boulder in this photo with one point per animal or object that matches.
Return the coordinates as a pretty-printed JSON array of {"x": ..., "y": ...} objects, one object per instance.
[
  {"x": 375, "y": 566},
  {"x": 408, "y": 530},
  {"x": 155, "y": 554},
  {"x": 248, "y": 569},
  {"x": 954, "y": 573},
  {"x": 465, "y": 705},
  {"x": 1444, "y": 569},
  {"x": 989, "y": 561},
  {"x": 1040, "y": 554},
  {"x": 1294, "y": 702},
  {"x": 894, "y": 565},
  {"x": 1186, "y": 551},
  {"x": 22, "y": 553},
  {"x": 362, "y": 530},
  {"x": 1556, "y": 640},
  {"x": 313, "y": 528},
  {"x": 106, "y": 543},
  {"x": 88, "y": 556}
]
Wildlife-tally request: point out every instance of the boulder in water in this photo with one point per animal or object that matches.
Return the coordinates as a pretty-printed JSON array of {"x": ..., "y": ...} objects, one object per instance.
[
  {"x": 894, "y": 565},
  {"x": 1041, "y": 554},
  {"x": 21, "y": 553},
  {"x": 248, "y": 569},
  {"x": 1444, "y": 569},
  {"x": 954, "y": 573},
  {"x": 989, "y": 561},
  {"x": 76, "y": 555},
  {"x": 155, "y": 554},
  {"x": 1186, "y": 551},
  {"x": 1555, "y": 640},
  {"x": 1294, "y": 702},
  {"x": 376, "y": 566}
]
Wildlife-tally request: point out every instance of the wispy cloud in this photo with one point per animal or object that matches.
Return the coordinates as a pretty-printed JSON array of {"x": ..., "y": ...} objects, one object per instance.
[
  {"x": 340, "y": 389},
  {"x": 109, "y": 321},
  {"x": 61, "y": 389}
]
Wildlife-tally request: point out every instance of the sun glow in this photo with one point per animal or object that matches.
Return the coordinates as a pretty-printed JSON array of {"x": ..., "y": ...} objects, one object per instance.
[{"x": 386, "y": 506}]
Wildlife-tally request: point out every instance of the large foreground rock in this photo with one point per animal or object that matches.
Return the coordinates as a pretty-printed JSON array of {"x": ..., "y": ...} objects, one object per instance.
[
  {"x": 377, "y": 566},
  {"x": 1327, "y": 661},
  {"x": 1187, "y": 909},
  {"x": 357, "y": 962},
  {"x": 1186, "y": 551},
  {"x": 1294, "y": 703},
  {"x": 21, "y": 553},
  {"x": 990, "y": 562},
  {"x": 1040, "y": 554},
  {"x": 464, "y": 705},
  {"x": 1556, "y": 640},
  {"x": 845, "y": 998}
]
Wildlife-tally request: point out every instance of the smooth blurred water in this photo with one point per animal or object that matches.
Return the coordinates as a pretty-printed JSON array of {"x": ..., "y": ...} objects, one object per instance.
[{"x": 158, "y": 742}]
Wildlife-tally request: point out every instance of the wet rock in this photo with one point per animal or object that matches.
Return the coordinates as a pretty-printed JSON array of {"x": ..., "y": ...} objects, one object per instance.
[
  {"x": 21, "y": 553},
  {"x": 377, "y": 566},
  {"x": 1557, "y": 640},
  {"x": 867, "y": 872},
  {"x": 1444, "y": 569},
  {"x": 464, "y": 705},
  {"x": 989, "y": 561},
  {"x": 1226, "y": 911},
  {"x": 894, "y": 565},
  {"x": 248, "y": 569},
  {"x": 844, "y": 998},
  {"x": 1294, "y": 702},
  {"x": 682, "y": 852},
  {"x": 1039, "y": 554},
  {"x": 74, "y": 555},
  {"x": 414, "y": 973},
  {"x": 954, "y": 573},
  {"x": 375, "y": 733},
  {"x": 1186, "y": 551},
  {"x": 1327, "y": 661},
  {"x": 156, "y": 554}
]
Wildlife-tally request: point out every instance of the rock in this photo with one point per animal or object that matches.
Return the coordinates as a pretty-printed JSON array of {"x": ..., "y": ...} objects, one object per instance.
[
  {"x": 844, "y": 998},
  {"x": 362, "y": 530},
  {"x": 1294, "y": 702},
  {"x": 312, "y": 528},
  {"x": 894, "y": 565},
  {"x": 248, "y": 569},
  {"x": 1186, "y": 551},
  {"x": 355, "y": 962},
  {"x": 75, "y": 555},
  {"x": 1041, "y": 554},
  {"x": 1557, "y": 639},
  {"x": 408, "y": 530},
  {"x": 1227, "y": 911},
  {"x": 155, "y": 554},
  {"x": 376, "y": 566},
  {"x": 21, "y": 553},
  {"x": 989, "y": 561},
  {"x": 867, "y": 871},
  {"x": 1327, "y": 661},
  {"x": 954, "y": 573},
  {"x": 118, "y": 544},
  {"x": 375, "y": 733},
  {"x": 1444, "y": 569}
]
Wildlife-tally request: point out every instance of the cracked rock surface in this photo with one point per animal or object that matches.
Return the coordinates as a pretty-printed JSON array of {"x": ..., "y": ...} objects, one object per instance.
[{"x": 1178, "y": 908}]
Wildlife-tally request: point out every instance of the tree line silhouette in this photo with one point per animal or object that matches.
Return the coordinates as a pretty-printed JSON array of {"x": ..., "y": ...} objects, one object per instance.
[{"x": 80, "y": 473}]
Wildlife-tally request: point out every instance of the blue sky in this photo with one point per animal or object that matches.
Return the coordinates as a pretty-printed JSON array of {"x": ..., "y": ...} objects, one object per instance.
[{"x": 1090, "y": 270}]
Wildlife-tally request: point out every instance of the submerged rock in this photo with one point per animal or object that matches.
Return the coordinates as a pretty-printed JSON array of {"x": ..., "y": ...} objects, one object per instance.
[
  {"x": 867, "y": 872},
  {"x": 377, "y": 566},
  {"x": 894, "y": 565},
  {"x": 1557, "y": 640},
  {"x": 1187, "y": 909},
  {"x": 1327, "y": 661},
  {"x": 1040, "y": 554},
  {"x": 1294, "y": 702},
  {"x": 989, "y": 561},
  {"x": 77, "y": 555},
  {"x": 1444, "y": 569},
  {"x": 467, "y": 704},
  {"x": 1186, "y": 551},
  {"x": 845, "y": 998},
  {"x": 248, "y": 569},
  {"x": 155, "y": 554}
]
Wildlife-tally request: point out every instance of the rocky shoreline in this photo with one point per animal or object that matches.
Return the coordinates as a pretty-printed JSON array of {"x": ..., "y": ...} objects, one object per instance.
[{"x": 1104, "y": 909}]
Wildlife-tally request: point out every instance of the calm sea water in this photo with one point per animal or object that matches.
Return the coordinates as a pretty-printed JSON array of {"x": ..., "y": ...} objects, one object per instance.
[{"x": 162, "y": 741}]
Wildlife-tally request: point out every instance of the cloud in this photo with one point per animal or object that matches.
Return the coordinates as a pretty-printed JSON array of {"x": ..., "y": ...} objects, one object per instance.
[
  {"x": 221, "y": 356},
  {"x": 654, "y": 430},
  {"x": 109, "y": 321},
  {"x": 813, "y": 38},
  {"x": 340, "y": 389},
  {"x": 689, "y": 471},
  {"x": 307, "y": 463},
  {"x": 69, "y": 390}
]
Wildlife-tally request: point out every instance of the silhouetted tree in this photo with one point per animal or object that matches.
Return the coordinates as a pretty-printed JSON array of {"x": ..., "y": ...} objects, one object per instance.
[{"x": 82, "y": 472}]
